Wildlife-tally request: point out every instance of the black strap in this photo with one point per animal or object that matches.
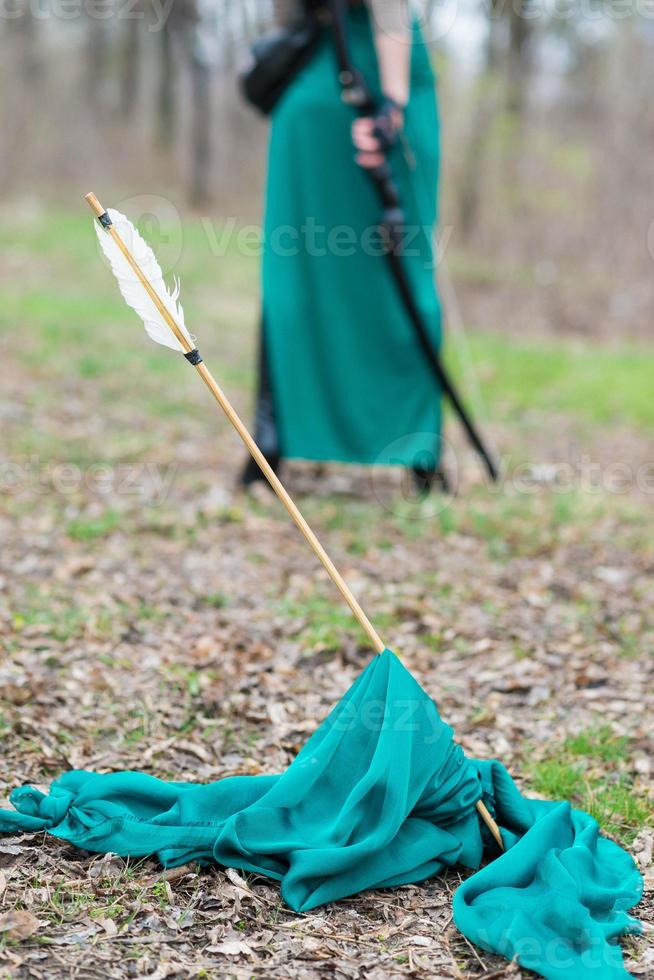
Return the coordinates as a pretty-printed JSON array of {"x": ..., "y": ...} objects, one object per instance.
[
  {"x": 356, "y": 92},
  {"x": 193, "y": 357}
]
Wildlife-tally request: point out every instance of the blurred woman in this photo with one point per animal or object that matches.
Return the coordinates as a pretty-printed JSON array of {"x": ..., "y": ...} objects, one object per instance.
[{"x": 342, "y": 375}]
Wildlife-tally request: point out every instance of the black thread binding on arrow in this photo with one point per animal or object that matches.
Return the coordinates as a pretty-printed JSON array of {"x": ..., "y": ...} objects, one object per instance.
[
  {"x": 194, "y": 357},
  {"x": 105, "y": 220}
]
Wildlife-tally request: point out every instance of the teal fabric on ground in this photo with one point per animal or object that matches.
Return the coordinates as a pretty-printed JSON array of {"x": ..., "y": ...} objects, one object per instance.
[
  {"x": 336, "y": 331},
  {"x": 557, "y": 899},
  {"x": 379, "y": 796}
]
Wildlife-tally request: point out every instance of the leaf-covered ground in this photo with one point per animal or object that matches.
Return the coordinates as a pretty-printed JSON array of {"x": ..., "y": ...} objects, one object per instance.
[{"x": 153, "y": 618}]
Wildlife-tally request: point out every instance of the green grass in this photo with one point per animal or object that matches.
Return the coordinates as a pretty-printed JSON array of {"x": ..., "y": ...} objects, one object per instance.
[
  {"x": 596, "y": 384},
  {"x": 217, "y": 600},
  {"x": 506, "y": 522},
  {"x": 323, "y": 621},
  {"x": 57, "y": 619},
  {"x": 592, "y": 770},
  {"x": 599, "y": 744},
  {"x": 87, "y": 529}
]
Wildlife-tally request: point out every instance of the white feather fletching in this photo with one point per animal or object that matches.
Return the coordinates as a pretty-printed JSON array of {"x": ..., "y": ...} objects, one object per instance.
[{"x": 132, "y": 288}]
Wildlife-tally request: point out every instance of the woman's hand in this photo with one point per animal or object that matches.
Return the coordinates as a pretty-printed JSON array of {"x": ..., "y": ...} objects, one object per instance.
[{"x": 373, "y": 136}]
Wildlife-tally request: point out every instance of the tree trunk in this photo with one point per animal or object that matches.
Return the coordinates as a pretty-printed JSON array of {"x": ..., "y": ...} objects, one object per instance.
[
  {"x": 24, "y": 36},
  {"x": 201, "y": 135},
  {"x": 470, "y": 191},
  {"x": 166, "y": 103},
  {"x": 96, "y": 63},
  {"x": 517, "y": 68},
  {"x": 130, "y": 69}
]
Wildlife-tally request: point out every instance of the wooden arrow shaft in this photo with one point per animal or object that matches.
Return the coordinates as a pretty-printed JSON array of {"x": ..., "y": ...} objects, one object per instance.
[{"x": 291, "y": 507}]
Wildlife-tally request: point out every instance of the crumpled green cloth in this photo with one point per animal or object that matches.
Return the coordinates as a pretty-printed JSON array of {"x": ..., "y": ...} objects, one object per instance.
[{"x": 379, "y": 796}]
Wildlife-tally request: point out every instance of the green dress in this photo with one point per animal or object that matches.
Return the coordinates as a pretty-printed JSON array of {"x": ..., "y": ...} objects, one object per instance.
[{"x": 348, "y": 378}]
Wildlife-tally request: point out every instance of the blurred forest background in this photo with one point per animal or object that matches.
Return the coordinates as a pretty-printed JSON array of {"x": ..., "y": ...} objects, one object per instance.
[{"x": 547, "y": 120}]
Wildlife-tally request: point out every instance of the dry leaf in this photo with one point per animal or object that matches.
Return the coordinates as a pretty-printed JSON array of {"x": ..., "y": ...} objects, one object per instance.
[
  {"x": 108, "y": 925},
  {"x": 18, "y": 924},
  {"x": 193, "y": 748},
  {"x": 233, "y": 947},
  {"x": 642, "y": 849},
  {"x": 236, "y": 879}
]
